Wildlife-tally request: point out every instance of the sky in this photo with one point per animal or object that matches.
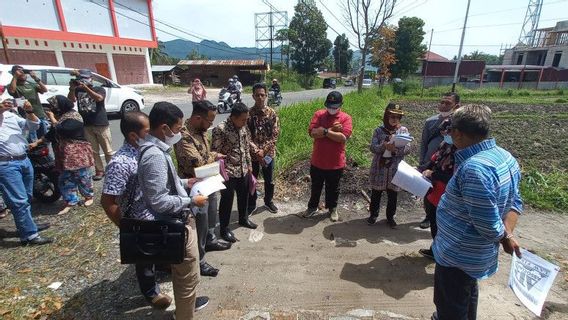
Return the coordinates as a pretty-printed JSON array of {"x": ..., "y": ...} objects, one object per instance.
[{"x": 492, "y": 24}]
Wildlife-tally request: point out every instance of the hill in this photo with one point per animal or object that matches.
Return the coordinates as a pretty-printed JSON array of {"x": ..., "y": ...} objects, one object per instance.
[{"x": 217, "y": 50}]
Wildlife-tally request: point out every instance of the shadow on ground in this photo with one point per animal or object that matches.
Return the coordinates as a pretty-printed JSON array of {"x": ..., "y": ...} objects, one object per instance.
[
  {"x": 358, "y": 229},
  {"x": 118, "y": 299},
  {"x": 395, "y": 277},
  {"x": 291, "y": 224}
]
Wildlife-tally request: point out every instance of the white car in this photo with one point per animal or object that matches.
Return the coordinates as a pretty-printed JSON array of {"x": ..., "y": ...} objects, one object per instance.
[
  {"x": 118, "y": 98},
  {"x": 366, "y": 83}
]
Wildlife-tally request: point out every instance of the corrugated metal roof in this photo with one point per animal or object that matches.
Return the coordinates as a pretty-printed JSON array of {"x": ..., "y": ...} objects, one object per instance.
[
  {"x": 160, "y": 68},
  {"x": 235, "y": 63},
  {"x": 432, "y": 56}
]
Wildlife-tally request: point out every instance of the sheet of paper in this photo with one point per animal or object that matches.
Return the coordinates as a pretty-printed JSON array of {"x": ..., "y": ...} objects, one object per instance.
[
  {"x": 402, "y": 140},
  {"x": 208, "y": 185},
  {"x": 409, "y": 179},
  {"x": 207, "y": 170},
  {"x": 531, "y": 278}
]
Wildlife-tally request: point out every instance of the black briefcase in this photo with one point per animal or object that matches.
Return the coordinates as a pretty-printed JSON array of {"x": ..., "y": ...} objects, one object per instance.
[{"x": 152, "y": 241}]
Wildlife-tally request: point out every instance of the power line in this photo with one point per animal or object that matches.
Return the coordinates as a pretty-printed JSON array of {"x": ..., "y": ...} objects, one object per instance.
[
  {"x": 416, "y": 5},
  {"x": 327, "y": 24},
  {"x": 494, "y": 25},
  {"x": 234, "y": 50},
  {"x": 336, "y": 18}
]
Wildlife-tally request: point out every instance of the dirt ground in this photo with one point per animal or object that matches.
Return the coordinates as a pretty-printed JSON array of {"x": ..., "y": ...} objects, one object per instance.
[{"x": 290, "y": 267}]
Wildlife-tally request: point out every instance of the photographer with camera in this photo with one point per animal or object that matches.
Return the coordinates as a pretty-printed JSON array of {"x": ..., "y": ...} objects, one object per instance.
[
  {"x": 22, "y": 89},
  {"x": 91, "y": 105}
]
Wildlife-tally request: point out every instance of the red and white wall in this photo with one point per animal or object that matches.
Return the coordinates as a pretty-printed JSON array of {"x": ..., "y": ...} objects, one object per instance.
[{"x": 111, "y": 37}]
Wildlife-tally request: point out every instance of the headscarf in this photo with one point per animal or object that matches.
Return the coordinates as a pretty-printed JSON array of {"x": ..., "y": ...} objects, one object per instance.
[
  {"x": 392, "y": 108},
  {"x": 60, "y": 105},
  {"x": 198, "y": 91}
]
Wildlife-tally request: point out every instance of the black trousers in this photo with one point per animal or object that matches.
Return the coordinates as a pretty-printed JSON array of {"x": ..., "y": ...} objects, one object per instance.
[
  {"x": 146, "y": 276},
  {"x": 267, "y": 174},
  {"x": 430, "y": 210},
  {"x": 455, "y": 294},
  {"x": 331, "y": 180},
  {"x": 205, "y": 222},
  {"x": 240, "y": 186},
  {"x": 392, "y": 197}
]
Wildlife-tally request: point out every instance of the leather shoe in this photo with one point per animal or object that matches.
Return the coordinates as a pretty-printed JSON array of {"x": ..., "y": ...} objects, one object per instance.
[
  {"x": 217, "y": 246},
  {"x": 161, "y": 301},
  {"x": 207, "y": 270},
  {"x": 37, "y": 241},
  {"x": 228, "y": 235},
  {"x": 248, "y": 224},
  {"x": 42, "y": 226}
]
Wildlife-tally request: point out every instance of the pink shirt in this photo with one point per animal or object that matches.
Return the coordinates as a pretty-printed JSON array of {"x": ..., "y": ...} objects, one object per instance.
[{"x": 328, "y": 154}]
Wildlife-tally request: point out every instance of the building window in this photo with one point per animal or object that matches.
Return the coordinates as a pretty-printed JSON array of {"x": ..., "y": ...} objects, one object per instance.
[
  {"x": 17, "y": 41},
  {"x": 27, "y": 42},
  {"x": 65, "y": 44},
  {"x": 36, "y": 43},
  {"x": 520, "y": 58},
  {"x": 45, "y": 43},
  {"x": 101, "y": 46},
  {"x": 72, "y": 45},
  {"x": 556, "y": 60}
]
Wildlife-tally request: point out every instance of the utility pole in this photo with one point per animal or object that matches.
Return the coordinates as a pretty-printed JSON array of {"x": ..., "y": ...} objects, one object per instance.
[
  {"x": 461, "y": 47},
  {"x": 271, "y": 26},
  {"x": 426, "y": 65}
]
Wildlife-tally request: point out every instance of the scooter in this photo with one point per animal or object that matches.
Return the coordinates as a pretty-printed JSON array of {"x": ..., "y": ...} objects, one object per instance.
[
  {"x": 46, "y": 178},
  {"x": 226, "y": 101},
  {"x": 274, "y": 98}
]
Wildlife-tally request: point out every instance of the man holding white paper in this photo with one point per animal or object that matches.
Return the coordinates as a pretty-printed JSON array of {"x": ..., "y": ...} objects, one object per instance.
[
  {"x": 192, "y": 152},
  {"x": 264, "y": 129},
  {"x": 478, "y": 210}
]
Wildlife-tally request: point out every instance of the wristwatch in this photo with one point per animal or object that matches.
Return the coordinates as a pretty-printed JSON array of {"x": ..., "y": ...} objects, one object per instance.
[
  {"x": 506, "y": 236},
  {"x": 325, "y": 131}
]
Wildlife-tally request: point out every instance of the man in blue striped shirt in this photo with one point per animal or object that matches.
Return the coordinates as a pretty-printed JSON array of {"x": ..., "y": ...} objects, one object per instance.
[{"x": 478, "y": 211}]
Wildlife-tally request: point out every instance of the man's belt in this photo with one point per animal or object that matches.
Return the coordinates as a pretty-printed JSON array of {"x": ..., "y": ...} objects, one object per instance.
[{"x": 12, "y": 158}]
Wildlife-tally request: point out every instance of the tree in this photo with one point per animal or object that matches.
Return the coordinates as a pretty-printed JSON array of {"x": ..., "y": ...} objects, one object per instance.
[
  {"x": 383, "y": 52},
  {"x": 195, "y": 55},
  {"x": 342, "y": 55},
  {"x": 308, "y": 39},
  {"x": 366, "y": 20},
  {"x": 282, "y": 36},
  {"x": 158, "y": 54},
  {"x": 479, "y": 55},
  {"x": 408, "y": 46}
]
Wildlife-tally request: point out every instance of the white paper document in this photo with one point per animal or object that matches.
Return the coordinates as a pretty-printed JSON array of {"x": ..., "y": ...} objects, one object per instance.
[
  {"x": 409, "y": 179},
  {"x": 208, "y": 185},
  {"x": 207, "y": 170},
  {"x": 531, "y": 278},
  {"x": 401, "y": 140}
]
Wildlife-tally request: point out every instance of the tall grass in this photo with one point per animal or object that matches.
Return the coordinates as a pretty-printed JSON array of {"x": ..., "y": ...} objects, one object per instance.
[
  {"x": 295, "y": 144},
  {"x": 545, "y": 190}
]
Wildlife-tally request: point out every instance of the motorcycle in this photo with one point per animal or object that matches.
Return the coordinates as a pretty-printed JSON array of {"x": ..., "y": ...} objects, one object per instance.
[
  {"x": 46, "y": 178},
  {"x": 226, "y": 101},
  {"x": 274, "y": 98}
]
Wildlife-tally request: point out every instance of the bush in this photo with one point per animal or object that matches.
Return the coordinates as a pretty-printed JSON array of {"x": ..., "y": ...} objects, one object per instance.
[{"x": 560, "y": 100}]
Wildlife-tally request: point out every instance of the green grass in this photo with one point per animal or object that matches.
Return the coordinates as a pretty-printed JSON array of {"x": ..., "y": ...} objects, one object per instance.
[
  {"x": 545, "y": 190},
  {"x": 295, "y": 144}
]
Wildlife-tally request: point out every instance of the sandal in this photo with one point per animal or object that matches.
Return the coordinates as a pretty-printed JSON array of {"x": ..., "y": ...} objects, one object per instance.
[
  {"x": 88, "y": 202},
  {"x": 65, "y": 209}
]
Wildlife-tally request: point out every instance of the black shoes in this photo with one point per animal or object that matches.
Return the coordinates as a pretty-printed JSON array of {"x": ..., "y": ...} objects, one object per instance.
[
  {"x": 228, "y": 235},
  {"x": 217, "y": 246},
  {"x": 207, "y": 270},
  {"x": 248, "y": 224},
  {"x": 271, "y": 207},
  {"x": 391, "y": 223},
  {"x": 427, "y": 253},
  {"x": 425, "y": 224},
  {"x": 201, "y": 302},
  {"x": 371, "y": 221},
  {"x": 37, "y": 241}
]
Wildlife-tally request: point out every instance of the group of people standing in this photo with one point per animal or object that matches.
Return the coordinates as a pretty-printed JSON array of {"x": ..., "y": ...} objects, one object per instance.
[{"x": 75, "y": 136}]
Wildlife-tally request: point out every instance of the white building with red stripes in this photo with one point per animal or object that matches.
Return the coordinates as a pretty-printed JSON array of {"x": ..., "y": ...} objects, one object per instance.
[{"x": 111, "y": 37}]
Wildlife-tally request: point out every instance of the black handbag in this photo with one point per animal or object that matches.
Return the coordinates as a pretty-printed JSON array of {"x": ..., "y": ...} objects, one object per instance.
[{"x": 151, "y": 241}]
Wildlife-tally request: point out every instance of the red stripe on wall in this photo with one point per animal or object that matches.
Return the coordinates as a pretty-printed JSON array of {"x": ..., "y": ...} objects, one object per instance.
[
  {"x": 113, "y": 16},
  {"x": 61, "y": 15}
]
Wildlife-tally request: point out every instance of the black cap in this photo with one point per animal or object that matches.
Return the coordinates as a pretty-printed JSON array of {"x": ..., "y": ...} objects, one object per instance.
[
  {"x": 16, "y": 67},
  {"x": 334, "y": 100}
]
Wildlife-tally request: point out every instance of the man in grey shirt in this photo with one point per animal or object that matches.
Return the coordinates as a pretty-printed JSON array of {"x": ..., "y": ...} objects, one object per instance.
[
  {"x": 431, "y": 136},
  {"x": 165, "y": 195}
]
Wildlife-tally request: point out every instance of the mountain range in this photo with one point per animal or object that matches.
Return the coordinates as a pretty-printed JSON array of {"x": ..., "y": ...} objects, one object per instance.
[{"x": 217, "y": 50}]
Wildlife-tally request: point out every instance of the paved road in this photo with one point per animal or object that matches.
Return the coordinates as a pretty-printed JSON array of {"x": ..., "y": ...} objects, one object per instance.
[{"x": 288, "y": 98}]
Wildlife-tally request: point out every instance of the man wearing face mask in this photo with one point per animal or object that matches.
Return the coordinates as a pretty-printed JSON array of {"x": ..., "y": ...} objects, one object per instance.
[
  {"x": 124, "y": 164},
  {"x": 330, "y": 129},
  {"x": 431, "y": 136},
  {"x": 91, "y": 105}
]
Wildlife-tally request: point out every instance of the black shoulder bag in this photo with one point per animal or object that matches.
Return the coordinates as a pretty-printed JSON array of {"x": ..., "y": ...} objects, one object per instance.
[{"x": 151, "y": 241}]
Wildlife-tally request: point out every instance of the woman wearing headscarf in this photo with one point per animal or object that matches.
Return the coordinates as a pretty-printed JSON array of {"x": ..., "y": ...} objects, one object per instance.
[
  {"x": 197, "y": 91},
  {"x": 73, "y": 153}
]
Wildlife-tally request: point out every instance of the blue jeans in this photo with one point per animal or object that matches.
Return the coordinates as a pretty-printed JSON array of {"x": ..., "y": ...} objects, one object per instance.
[
  {"x": 455, "y": 294},
  {"x": 16, "y": 183},
  {"x": 146, "y": 275}
]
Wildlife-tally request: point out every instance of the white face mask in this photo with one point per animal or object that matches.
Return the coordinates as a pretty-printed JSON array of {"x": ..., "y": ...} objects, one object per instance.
[
  {"x": 332, "y": 111},
  {"x": 170, "y": 141}
]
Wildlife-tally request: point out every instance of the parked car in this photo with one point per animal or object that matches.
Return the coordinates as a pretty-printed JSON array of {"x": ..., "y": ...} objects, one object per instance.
[
  {"x": 349, "y": 83},
  {"x": 366, "y": 83},
  {"x": 329, "y": 83},
  {"x": 118, "y": 98}
]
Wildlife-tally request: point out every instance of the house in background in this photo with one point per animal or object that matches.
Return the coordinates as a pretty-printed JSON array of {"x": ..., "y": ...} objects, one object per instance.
[
  {"x": 216, "y": 73},
  {"x": 111, "y": 37},
  {"x": 438, "y": 70}
]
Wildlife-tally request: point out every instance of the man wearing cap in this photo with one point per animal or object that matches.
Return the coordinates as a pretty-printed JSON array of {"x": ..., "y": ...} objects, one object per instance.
[
  {"x": 91, "y": 105},
  {"x": 20, "y": 87},
  {"x": 16, "y": 171},
  {"x": 330, "y": 129}
]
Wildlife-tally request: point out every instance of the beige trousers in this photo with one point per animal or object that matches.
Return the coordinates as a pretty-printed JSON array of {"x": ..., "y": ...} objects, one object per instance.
[
  {"x": 185, "y": 276},
  {"x": 99, "y": 137}
]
